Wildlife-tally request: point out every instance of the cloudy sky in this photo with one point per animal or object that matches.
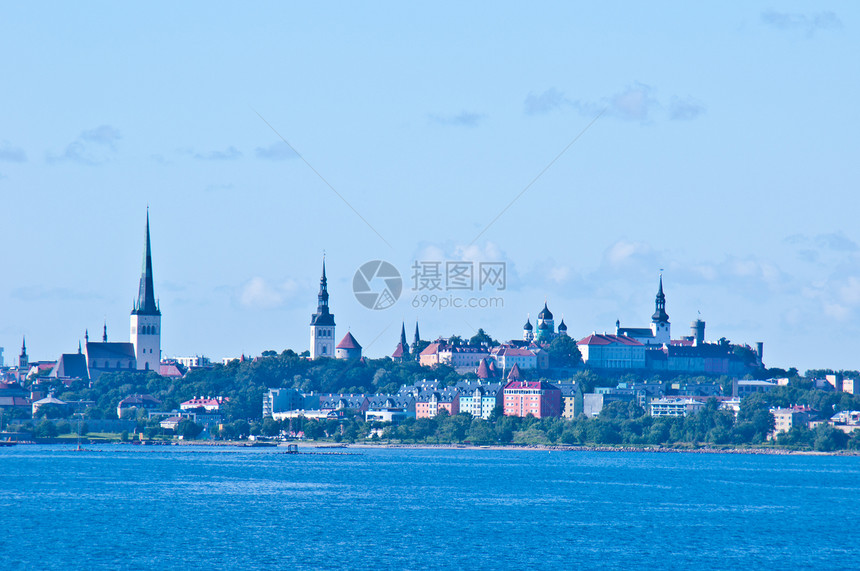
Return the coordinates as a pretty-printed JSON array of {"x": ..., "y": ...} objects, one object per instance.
[{"x": 586, "y": 146}]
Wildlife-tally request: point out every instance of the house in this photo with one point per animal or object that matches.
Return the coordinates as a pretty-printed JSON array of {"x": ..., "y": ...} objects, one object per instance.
[
  {"x": 479, "y": 398},
  {"x": 572, "y": 400},
  {"x": 281, "y": 400},
  {"x": 786, "y": 418},
  {"x": 507, "y": 356},
  {"x": 537, "y": 398},
  {"x": 745, "y": 387},
  {"x": 137, "y": 402},
  {"x": 209, "y": 404},
  {"x": 48, "y": 400},
  {"x": 430, "y": 403},
  {"x": 389, "y": 408},
  {"x": 332, "y": 402}
]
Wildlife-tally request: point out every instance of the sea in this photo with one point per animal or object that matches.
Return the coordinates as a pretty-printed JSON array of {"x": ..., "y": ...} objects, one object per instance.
[{"x": 212, "y": 507}]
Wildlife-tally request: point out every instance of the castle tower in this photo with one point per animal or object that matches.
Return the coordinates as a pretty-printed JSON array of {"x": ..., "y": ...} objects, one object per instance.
[
  {"x": 660, "y": 320},
  {"x": 146, "y": 315},
  {"x": 322, "y": 324}
]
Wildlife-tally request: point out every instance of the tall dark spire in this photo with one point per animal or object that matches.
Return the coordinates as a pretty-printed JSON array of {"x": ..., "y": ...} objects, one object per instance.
[
  {"x": 417, "y": 337},
  {"x": 104, "y": 333},
  {"x": 660, "y": 303},
  {"x": 403, "y": 342},
  {"x": 322, "y": 316},
  {"x": 145, "y": 304}
]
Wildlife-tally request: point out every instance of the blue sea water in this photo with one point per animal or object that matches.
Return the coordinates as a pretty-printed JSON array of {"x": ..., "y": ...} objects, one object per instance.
[{"x": 124, "y": 507}]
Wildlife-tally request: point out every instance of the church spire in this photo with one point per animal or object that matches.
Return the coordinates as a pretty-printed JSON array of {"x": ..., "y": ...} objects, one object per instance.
[
  {"x": 145, "y": 304},
  {"x": 660, "y": 305},
  {"x": 322, "y": 306},
  {"x": 417, "y": 339},
  {"x": 403, "y": 342},
  {"x": 104, "y": 333}
]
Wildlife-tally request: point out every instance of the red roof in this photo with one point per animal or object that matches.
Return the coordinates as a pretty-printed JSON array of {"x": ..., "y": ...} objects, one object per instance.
[
  {"x": 513, "y": 352},
  {"x": 398, "y": 353},
  {"x": 606, "y": 339},
  {"x": 348, "y": 342},
  {"x": 431, "y": 349},
  {"x": 169, "y": 370},
  {"x": 514, "y": 375}
]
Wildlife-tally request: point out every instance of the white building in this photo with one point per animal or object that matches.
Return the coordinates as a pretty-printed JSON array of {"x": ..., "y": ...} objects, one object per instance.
[{"x": 675, "y": 406}]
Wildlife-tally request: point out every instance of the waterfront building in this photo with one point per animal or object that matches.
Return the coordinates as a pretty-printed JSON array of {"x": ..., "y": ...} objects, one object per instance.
[
  {"x": 675, "y": 406},
  {"x": 322, "y": 323},
  {"x": 572, "y": 400},
  {"x": 430, "y": 403},
  {"x": 479, "y": 398},
  {"x": 356, "y": 402},
  {"x": 537, "y": 398},
  {"x": 786, "y": 418}
]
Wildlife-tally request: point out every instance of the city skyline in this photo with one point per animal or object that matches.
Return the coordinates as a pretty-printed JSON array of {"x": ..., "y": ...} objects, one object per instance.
[{"x": 728, "y": 164}]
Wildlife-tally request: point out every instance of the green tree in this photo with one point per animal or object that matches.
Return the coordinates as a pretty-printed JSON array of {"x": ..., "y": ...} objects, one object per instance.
[
  {"x": 563, "y": 352},
  {"x": 481, "y": 338}
]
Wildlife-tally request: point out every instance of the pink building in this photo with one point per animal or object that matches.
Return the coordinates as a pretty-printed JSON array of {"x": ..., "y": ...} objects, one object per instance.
[
  {"x": 429, "y": 404},
  {"x": 536, "y": 398}
]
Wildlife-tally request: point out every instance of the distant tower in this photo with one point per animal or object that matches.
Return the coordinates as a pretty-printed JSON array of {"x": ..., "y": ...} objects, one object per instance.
[
  {"x": 545, "y": 322},
  {"x": 146, "y": 315},
  {"x": 23, "y": 359},
  {"x": 416, "y": 341},
  {"x": 528, "y": 331},
  {"x": 322, "y": 324},
  {"x": 562, "y": 328},
  {"x": 697, "y": 331},
  {"x": 403, "y": 342},
  {"x": 104, "y": 333},
  {"x": 660, "y": 320}
]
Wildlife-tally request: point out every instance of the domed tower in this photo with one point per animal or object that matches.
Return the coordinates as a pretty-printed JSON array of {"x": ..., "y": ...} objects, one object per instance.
[
  {"x": 528, "y": 331},
  {"x": 545, "y": 318},
  {"x": 322, "y": 324},
  {"x": 660, "y": 320},
  {"x": 146, "y": 316},
  {"x": 562, "y": 328}
]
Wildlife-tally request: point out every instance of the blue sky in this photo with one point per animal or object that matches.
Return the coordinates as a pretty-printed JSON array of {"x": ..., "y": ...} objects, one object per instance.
[{"x": 725, "y": 154}]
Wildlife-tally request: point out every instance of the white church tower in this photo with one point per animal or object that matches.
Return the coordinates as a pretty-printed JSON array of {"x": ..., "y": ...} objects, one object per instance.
[
  {"x": 322, "y": 324},
  {"x": 660, "y": 320},
  {"x": 146, "y": 316}
]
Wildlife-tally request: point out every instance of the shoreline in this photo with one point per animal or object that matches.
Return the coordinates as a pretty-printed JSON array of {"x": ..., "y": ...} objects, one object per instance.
[{"x": 306, "y": 447}]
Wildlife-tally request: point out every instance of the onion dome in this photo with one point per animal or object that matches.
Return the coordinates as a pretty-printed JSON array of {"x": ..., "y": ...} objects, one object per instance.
[
  {"x": 528, "y": 325},
  {"x": 545, "y": 313}
]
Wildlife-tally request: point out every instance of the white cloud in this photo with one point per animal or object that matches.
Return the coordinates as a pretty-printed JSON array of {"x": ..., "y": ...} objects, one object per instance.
[{"x": 257, "y": 293}]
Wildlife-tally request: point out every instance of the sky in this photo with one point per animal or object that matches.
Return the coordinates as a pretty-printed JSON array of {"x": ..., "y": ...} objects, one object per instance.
[{"x": 585, "y": 146}]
